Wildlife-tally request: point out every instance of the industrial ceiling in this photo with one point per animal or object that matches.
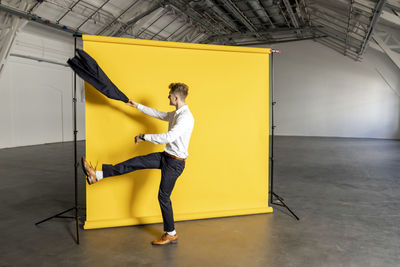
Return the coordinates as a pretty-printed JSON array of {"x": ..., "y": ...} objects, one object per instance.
[{"x": 347, "y": 26}]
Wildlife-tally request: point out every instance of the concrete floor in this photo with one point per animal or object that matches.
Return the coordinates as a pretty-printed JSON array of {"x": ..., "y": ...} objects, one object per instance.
[{"x": 346, "y": 192}]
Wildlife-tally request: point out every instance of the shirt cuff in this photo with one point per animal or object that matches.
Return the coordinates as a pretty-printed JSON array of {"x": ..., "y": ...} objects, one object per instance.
[
  {"x": 140, "y": 107},
  {"x": 144, "y": 137}
]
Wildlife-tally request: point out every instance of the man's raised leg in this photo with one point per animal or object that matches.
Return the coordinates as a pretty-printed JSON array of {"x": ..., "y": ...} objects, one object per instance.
[{"x": 150, "y": 161}]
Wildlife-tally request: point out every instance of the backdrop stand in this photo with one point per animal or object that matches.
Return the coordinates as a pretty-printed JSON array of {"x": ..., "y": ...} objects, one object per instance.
[
  {"x": 75, "y": 207},
  {"x": 273, "y": 194}
]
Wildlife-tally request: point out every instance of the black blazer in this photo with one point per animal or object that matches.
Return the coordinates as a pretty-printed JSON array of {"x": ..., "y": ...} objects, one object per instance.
[{"x": 88, "y": 69}]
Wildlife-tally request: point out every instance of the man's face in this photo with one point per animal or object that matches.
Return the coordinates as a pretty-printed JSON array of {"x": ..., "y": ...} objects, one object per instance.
[{"x": 173, "y": 99}]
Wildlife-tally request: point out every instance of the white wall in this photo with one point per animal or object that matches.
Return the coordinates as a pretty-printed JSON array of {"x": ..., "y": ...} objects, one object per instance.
[
  {"x": 36, "y": 97},
  {"x": 319, "y": 92}
]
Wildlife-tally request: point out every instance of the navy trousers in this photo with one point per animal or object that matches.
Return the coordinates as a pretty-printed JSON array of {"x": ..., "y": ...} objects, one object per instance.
[{"x": 171, "y": 169}]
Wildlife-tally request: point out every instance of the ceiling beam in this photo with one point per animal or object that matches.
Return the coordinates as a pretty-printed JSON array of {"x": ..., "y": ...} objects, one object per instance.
[
  {"x": 17, "y": 23},
  {"x": 132, "y": 22},
  {"x": 395, "y": 57},
  {"x": 117, "y": 18},
  {"x": 283, "y": 13},
  {"x": 292, "y": 16},
  {"x": 329, "y": 24},
  {"x": 37, "y": 19},
  {"x": 348, "y": 25},
  {"x": 69, "y": 10},
  {"x": 282, "y": 40},
  {"x": 91, "y": 15},
  {"x": 269, "y": 31},
  {"x": 229, "y": 5},
  {"x": 386, "y": 15},
  {"x": 260, "y": 11},
  {"x": 336, "y": 47},
  {"x": 210, "y": 27},
  {"x": 377, "y": 12},
  {"x": 222, "y": 15},
  {"x": 165, "y": 26},
  {"x": 391, "y": 17},
  {"x": 163, "y": 12},
  {"x": 394, "y": 4}
]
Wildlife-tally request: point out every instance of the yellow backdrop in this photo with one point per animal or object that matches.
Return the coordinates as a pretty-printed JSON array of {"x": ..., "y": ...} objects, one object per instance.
[{"x": 227, "y": 170}]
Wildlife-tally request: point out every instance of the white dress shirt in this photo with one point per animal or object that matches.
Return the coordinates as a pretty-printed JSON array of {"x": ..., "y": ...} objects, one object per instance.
[{"x": 180, "y": 129}]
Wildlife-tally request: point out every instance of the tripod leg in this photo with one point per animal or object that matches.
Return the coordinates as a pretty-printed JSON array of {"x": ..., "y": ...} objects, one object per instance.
[
  {"x": 284, "y": 205},
  {"x": 54, "y": 216},
  {"x": 77, "y": 226}
]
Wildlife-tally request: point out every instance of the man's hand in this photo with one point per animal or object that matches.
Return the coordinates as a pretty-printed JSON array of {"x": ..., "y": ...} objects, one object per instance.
[
  {"x": 132, "y": 103},
  {"x": 139, "y": 138}
]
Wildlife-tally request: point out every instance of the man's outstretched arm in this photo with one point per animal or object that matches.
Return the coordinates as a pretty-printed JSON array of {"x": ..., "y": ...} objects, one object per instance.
[
  {"x": 182, "y": 125},
  {"x": 149, "y": 111}
]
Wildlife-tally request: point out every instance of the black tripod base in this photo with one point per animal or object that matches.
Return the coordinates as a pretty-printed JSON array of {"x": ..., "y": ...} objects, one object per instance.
[
  {"x": 59, "y": 215},
  {"x": 282, "y": 204}
]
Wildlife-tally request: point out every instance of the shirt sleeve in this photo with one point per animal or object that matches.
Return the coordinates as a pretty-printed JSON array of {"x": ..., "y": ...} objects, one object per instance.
[
  {"x": 153, "y": 112},
  {"x": 164, "y": 138}
]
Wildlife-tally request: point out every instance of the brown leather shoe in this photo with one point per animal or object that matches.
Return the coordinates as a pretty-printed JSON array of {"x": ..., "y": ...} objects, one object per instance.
[
  {"x": 166, "y": 239},
  {"x": 89, "y": 171}
]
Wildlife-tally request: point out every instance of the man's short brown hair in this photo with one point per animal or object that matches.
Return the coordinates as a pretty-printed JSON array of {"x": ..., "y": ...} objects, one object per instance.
[{"x": 180, "y": 89}]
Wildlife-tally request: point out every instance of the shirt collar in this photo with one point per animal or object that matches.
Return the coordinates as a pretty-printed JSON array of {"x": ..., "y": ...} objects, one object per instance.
[{"x": 179, "y": 110}]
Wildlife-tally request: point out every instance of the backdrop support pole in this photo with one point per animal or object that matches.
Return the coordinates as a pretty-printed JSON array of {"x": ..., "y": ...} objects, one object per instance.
[
  {"x": 273, "y": 194},
  {"x": 75, "y": 207}
]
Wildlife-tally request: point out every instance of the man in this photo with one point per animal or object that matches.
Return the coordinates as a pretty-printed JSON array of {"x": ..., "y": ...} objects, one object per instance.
[{"x": 171, "y": 161}]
